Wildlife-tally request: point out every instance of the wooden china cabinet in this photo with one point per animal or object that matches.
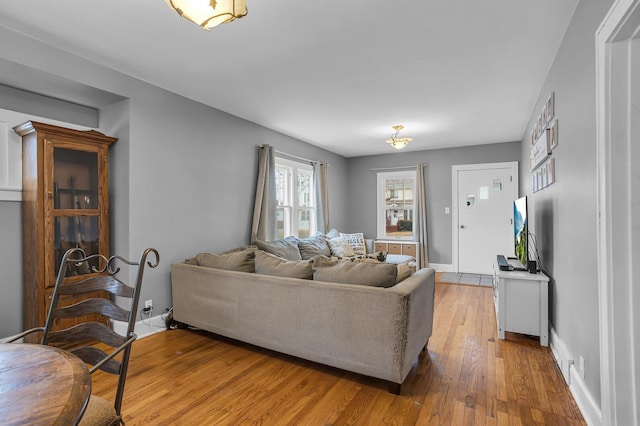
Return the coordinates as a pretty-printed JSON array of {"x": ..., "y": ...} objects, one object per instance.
[{"x": 65, "y": 204}]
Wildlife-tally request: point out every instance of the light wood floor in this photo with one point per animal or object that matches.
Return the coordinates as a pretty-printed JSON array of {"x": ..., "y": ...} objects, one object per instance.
[{"x": 467, "y": 377}]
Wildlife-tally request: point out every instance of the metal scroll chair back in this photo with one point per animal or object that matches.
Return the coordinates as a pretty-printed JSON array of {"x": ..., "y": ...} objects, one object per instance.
[{"x": 83, "y": 337}]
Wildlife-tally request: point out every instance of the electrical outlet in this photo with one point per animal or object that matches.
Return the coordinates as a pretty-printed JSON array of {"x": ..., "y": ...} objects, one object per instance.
[
  {"x": 581, "y": 367},
  {"x": 148, "y": 306},
  {"x": 567, "y": 373}
]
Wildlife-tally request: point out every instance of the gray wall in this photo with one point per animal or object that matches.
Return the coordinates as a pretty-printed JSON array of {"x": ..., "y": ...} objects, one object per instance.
[
  {"x": 362, "y": 188},
  {"x": 10, "y": 268},
  {"x": 182, "y": 174},
  {"x": 564, "y": 215}
]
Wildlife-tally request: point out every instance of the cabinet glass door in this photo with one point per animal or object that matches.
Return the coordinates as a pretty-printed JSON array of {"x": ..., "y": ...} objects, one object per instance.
[{"x": 75, "y": 204}]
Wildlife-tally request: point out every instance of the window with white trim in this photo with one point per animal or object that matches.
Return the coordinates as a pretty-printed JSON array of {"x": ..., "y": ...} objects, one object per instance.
[
  {"x": 295, "y": 210},
  {"x": 396, "y": 208}
]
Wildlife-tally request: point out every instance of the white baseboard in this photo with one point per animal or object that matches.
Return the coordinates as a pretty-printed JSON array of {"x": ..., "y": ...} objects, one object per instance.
[
  {"x": 587, "y": 405},
  {"x": 144, "y": 328},
  {"x": 441, "y": 267},
  {"x": 561, "y": 354}
]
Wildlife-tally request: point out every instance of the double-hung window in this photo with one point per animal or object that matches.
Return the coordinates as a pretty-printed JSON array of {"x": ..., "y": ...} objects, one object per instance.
[
  {"x": 295, "y": 211},
  {"x": 396, "y": 208}
]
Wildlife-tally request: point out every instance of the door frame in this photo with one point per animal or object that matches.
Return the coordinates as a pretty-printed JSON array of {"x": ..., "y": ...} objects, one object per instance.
[
  {"x": 513, "y": 165},
  {"x": 617, "y": 205}
]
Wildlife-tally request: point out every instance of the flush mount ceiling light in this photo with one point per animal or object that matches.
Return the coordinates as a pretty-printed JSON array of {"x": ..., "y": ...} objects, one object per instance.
[
  {"x": 209, "y": 13},
  {"x": 395, "y": 141}
]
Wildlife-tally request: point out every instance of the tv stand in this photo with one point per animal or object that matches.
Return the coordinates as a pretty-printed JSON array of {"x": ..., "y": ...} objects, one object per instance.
[{"x": 522, "y": 303}]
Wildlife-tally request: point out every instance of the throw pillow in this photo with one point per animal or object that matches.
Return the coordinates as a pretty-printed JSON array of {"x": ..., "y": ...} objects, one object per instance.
[
  {"x": 332, "y": 234},
  {"x": 286, "y": 248},
  {"x": 313, "y": 246},
  {"x": 240, "y": 260},
  {"x": 359, "y": 273},
  {"x": 340, "y": 247},
  {"x": 357, "y": 242},
  {"x": 270, "y": 264},
  {"x": 404, "y": 271}
]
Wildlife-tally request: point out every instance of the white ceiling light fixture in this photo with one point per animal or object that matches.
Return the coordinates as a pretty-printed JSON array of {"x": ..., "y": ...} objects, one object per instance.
[
  {"x": 395, "y": 141},
  {"x": 209, "y": 13}
]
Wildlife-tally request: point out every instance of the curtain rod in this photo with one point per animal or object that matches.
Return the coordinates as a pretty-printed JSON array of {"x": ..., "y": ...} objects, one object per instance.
[
  {"x": 296, "y": 157},
  {"x": 379, "y": 169}
]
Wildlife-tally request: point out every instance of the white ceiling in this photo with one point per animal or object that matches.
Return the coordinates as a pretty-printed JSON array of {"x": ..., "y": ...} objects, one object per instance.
[{"x": 336, "y": 74}]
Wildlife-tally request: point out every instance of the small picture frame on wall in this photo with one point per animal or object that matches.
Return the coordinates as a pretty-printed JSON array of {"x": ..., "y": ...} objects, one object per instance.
[
  {"x": 541, "y": 123},
  {"x": 551, "y": 171},
  {"x": 539, "y": 179},
  {"x": 549, "y": 107},
  {"x": 552, "y": 134},
  {"x": 534, "y": 182}
]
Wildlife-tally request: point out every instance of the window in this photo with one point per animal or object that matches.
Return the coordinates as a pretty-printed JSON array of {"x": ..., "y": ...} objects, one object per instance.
[
  {"x": 396, "y": 205},
  {"x": 295, "y": 212}
]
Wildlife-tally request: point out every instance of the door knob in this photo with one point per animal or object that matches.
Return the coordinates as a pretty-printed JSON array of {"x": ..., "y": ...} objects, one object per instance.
[{"x": 461, "y": 226}]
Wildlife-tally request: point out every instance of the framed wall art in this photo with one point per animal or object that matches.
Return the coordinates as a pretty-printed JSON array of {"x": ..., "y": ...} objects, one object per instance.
[{"x": 552, "y": 134}]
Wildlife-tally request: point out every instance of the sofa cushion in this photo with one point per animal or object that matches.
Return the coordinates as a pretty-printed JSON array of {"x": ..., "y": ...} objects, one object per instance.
[
  {"x": 270, "y": 264},
  {"x": 340, "y": 247},
  {"x": 241, "y": 260},
  {"x": 313, "y": 246},
  {"x": 287, "y": 247},
  {"x": 356, "y": 241},
  {"x": 360, "y": 273}
]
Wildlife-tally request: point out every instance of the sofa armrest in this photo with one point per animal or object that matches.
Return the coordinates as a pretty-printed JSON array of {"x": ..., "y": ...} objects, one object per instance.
[{"x": 419, "y": 290}]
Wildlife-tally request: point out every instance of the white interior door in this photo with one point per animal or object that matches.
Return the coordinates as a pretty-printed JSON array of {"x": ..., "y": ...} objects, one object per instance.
[{"x": 483, "y": 214}]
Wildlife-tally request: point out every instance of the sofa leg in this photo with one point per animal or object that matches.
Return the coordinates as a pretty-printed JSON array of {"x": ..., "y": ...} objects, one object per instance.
[{"x": 395, "y": 388}]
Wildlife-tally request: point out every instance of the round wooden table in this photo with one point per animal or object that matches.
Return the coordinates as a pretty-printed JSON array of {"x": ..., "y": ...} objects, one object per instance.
[{"x": 41, "y": 385}]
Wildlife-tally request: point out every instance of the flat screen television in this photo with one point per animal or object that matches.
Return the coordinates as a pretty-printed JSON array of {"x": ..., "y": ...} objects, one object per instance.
[{"x": 521, "y": 230}]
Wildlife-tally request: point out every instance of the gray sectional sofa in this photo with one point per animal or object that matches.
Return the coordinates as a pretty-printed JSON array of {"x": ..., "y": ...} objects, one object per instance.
[
  {"x": 374, "y": 331},
  {"x": 357, "y": 316}
]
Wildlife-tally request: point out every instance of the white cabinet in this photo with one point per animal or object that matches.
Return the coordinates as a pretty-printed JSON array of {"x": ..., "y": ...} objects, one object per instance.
[
  {"x": 406, "y": 248},
  {"x": 522, "y": 303}
]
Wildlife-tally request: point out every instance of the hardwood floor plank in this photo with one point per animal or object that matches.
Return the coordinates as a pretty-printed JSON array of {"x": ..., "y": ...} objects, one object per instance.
[
  {"x": 333, "y": 403},
  {"x": 492, "y": 380},
  {"x": 356, "y": 411},
  {"x": 467, "y": 376},
  {"x": 502, "y": 380},
  {"x": 406, "y": 409}
]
